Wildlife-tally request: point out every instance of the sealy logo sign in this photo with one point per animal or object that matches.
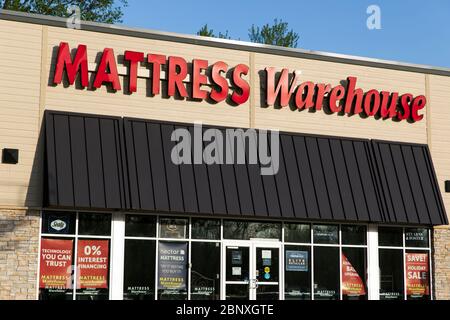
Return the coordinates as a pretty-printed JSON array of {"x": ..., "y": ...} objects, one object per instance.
[
  {"x": 218, "y": 82},
  {"x": 58, "y": 225}
]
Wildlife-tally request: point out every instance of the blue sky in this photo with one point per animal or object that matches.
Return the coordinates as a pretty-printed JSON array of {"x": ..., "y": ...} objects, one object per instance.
[{"x": 415, "y": 31}]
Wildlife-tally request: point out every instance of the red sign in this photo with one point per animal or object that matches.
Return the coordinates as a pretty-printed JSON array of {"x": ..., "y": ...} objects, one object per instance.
[
  {"x": 340, "y": 99},
  {"x": 417, "y": 274},
  {"x": 177, "y": 72},
  {"x": 352, "y": 284},
  {"x": 92, "y": 264},
  {"x": 215, "y": 81},
  {"x": 56, "y": 264}
]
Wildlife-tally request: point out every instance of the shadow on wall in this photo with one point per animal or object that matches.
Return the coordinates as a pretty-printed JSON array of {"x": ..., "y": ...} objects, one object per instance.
[
  {"x": 11, "y": 225},
  {"x": 36, "y": 185}
]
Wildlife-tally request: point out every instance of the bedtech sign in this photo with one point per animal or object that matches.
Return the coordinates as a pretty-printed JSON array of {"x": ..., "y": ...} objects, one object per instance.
[{"x": 282, "y": 89}]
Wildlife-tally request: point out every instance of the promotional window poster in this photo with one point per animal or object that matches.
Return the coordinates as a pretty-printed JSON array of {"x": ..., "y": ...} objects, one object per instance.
[
  {"x": 56, "y": 264},
  {"x": 172, "y": 266},
  {"x": 352, "y": 284},
  {"x": 417, "y": 271},
  {"x": 296, "y": 260},
  {"x": 92, "y": 264}
]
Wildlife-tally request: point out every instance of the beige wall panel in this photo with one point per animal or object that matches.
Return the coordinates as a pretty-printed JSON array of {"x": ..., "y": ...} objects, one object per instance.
[
  {"x": 321, "y": 123},
  {"x": 140, "y": 104},
  {"x": 20, "y": 67},
  {"x": 440, "y": 131}
]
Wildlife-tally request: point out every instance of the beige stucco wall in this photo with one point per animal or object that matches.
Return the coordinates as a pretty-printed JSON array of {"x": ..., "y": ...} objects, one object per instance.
[{"x": 27, "y": 52}]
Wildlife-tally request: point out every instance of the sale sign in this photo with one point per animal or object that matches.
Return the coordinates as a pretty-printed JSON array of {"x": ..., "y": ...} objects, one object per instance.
[
  {"x": 56, "y": 264},
  {"x": 352, "y": 284},
  {"x": 92, "y": 264},
  {"x": 417, "y": 271}
]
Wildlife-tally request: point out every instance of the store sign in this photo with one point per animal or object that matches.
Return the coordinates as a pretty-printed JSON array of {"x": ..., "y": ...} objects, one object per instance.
[
  {"x": 296, "y": 260},
  {"x": 92, "y": 264},
  {"x": 210, "y": 82},
  {"x": 417, "y": 274},
  {"x": 172, "y": 266},
  {"x": 56, "y": 264},
  {"x": 59, "y": 224},
  {"x": 352, "y": 284}
]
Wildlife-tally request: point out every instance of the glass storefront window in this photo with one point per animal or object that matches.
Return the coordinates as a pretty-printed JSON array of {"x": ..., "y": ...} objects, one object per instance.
[
  {"x": 300, "y": 233},
  {"x": 390, "y": 237},
  {"x": 391, "y": 274},
  {"x": 244, "y": 230},
  {"x": 75, "y": 261},
  {"x": 140, "y": 226},
  {"x": 238, "y": 263},
  {"x": 326, "y": 273},
  {"x": 297, "y": 273},
  {"x": 173, "y": 228},
  {"x": 205, "y": 229},
  {"x": 205, "y": 277},
  {"x": 139, "y": 270},
  {"x": 354, "y": 234},
  {"x": 164, "y": 260},
  {"x": 326, "y": 234},
  {"x": 94, "y": 224},
  {"x": 416, "y": 237}
]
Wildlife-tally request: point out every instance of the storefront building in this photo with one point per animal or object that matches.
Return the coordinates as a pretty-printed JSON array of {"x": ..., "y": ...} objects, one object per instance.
[{"x": 346, "y": 197}]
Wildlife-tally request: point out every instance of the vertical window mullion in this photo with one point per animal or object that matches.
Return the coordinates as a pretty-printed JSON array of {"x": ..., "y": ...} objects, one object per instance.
[
  {"x": 430, "y": 263},
  {"x": 312, "y": 262},
  {"x": 373, "y": 283},
  {"x": 189, "y": 269},
  {"x": 156, "y": 258},
  {"x": 75, "y": 264},
  {"x": 404, "y": 266},
  {"x": 117, "y": 256},
  {"x": 282, "y": 268},
  {"x": 39, "y": 257}
]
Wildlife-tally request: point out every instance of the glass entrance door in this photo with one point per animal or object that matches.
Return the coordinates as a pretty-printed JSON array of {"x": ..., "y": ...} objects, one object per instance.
[{"x": 252, "y": 270}]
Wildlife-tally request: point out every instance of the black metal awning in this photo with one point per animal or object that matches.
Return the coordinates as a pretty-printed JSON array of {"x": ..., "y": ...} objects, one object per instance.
[{"x": 99, "y": 162}]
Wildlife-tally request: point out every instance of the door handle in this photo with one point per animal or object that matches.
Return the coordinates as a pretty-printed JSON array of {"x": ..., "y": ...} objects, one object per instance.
[{"x": 254, "y": 284}]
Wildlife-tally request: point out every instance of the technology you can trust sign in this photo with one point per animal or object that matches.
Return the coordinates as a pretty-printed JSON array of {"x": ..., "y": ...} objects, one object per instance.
[{"x": 199, "y": 80}]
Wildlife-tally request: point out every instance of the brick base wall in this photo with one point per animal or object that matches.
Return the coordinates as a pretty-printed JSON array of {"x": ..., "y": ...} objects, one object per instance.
[
  {"x": 19, "y": 244},
  {"x": 441, "y": 263}
]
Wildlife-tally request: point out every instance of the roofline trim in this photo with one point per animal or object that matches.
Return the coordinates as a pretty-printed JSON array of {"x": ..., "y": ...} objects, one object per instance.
[{"x": 224, "y": 43}]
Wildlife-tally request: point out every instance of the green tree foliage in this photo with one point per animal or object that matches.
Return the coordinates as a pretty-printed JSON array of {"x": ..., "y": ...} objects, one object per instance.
[
  {"x": 91, "y": 10},
  {"x": 276, "y": 34},
  {"x": 206, "y": 32}
]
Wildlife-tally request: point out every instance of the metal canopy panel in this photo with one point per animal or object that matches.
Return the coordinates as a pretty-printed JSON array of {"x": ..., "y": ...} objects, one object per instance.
[
  {"x": 410, "y": 190},
  {"x": 101, "y": 162},
  {"x": 84, "y": 162}
]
